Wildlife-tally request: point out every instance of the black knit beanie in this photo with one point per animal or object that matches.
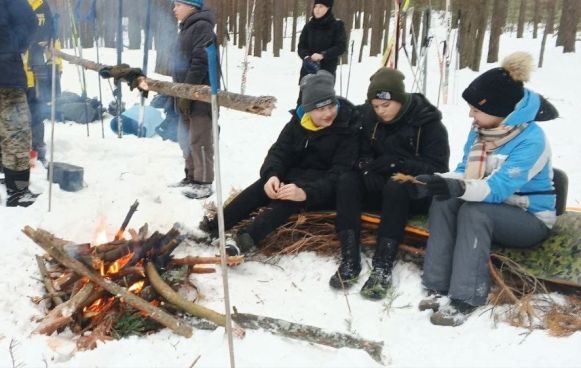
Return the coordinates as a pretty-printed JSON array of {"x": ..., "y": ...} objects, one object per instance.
[
  {"x": 497, "y": 91},
  {"x": 387, "y": 84},
  {"x": 327, "y": 3},
  {"x": 318, "y": 90}
]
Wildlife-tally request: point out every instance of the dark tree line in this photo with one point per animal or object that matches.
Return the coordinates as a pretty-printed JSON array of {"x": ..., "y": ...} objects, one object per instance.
[{"x": 277, "y": 20}]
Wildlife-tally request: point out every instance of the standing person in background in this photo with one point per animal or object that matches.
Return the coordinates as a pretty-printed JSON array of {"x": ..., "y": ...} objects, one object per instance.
[
  {"x": 501, "y": 192},
  {"x": 17, "y": 26},
  {"x": 322, "y": 41},
  {"x": 38, "y": 68},
  {"x": 196, "y": 26},
  {"x": 402, "y": 132}
]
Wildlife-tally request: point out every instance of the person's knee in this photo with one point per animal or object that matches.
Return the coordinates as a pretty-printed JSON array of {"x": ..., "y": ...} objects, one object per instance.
[
  {"x": 348, "y": 182},
  {"x": 471, "y": 212}
]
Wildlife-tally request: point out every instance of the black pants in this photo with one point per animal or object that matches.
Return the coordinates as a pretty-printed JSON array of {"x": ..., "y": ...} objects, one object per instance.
[
  {"x": 393, "y": 201},
  {"x": 252, "y": 198}
]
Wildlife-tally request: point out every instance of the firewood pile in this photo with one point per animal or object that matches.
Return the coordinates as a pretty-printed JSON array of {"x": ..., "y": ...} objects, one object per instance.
[
  {"x": 120, "y": 288},
  {"x": 128, "y": 287}
]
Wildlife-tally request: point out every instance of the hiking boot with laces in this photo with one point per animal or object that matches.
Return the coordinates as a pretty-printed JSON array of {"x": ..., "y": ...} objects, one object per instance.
[
  {"x": 453, "y": 314},
  {"x": 433, "y": 301}
]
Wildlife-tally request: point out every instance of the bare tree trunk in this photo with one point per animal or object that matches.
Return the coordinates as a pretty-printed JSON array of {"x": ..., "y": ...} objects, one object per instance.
[
  {"x": 165, "y": 35},
  {"x": 568, "y": 25},
  {"x": 416, "y": 24},
  {"x": 366, "y": 16},
  {"x": 377, "y": 20},
  {"x": 135, "y": 13},
  {"x": 536, "y": 18},
  {"x": 480, "y": 32},
  {"x": 499, "y": 13},
  {"x": 277, "y": 20},
  {"x": 549, "y": 28},
  {"x": 521, "y": 18}
]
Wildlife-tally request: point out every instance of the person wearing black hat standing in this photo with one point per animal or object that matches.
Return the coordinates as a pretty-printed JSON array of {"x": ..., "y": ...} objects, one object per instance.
[
  {"x": 502, "y": 191},
  {"x": 301, "y": 168},
  {"x": 402, "y": 132},
  {"x": 322, "y": 41}
]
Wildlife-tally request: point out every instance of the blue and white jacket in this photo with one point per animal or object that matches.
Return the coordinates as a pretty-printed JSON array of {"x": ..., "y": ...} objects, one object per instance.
[{"x": 520, "y": 172}]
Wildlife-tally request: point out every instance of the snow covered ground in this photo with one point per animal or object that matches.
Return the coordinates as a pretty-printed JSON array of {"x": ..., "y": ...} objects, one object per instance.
[{"x": 119, "y": 171}]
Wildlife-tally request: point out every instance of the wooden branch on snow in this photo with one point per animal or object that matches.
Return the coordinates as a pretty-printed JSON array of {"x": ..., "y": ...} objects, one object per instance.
[
  {"x": 130, "y": 213},
  {"x": 61, "y": 314},
  {"x": 262, "y": 105},
  {"x": 45, "y": 240},
  {"x": 308, "y": 333}
]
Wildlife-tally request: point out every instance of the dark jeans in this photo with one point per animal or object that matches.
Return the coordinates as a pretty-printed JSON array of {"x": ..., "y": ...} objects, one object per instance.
[
  {"x": 393, "y": 202},
  {"x": 275, "y": 213}
]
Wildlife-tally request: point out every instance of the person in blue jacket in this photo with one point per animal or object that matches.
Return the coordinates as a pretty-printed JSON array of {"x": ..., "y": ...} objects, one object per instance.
[{"x": 502, "y": 192}]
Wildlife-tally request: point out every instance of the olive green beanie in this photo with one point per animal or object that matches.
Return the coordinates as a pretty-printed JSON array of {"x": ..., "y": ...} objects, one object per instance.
[{"x": 387, "y": 84}]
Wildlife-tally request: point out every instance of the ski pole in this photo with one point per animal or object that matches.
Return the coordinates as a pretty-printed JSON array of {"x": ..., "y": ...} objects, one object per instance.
[
  {"x": 52, "y": 122},
  {"x": 96, "y": 38},
  {"x": 145, "y": 62},
  {"x": 119, "y": 93},
  {"x": 213, "y": 69},
  {"x": 349, "y": 73}
]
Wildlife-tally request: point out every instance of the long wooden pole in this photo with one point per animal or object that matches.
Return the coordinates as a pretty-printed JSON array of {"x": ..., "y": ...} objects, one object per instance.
[{"x": 261, "y": 105}]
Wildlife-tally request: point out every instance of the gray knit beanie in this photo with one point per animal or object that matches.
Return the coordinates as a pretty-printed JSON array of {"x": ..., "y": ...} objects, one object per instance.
[{"x": 318, "y": 90}]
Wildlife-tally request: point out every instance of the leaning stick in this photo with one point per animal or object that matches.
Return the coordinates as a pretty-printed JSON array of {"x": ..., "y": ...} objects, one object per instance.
[
  {"x": 130, "y": 213},
  {"x": 61, "y": 314},
  {"x": 56, "y": 299},
  {"x": 261, "y": 105},
  {"x": 45, "y": 240}
]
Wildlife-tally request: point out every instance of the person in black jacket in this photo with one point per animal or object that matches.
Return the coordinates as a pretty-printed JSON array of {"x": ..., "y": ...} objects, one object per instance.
[
  {"x": 301, "y": 168},
  {"x": 17, "y": 26},
  {"x": 402, "y": 133},
  {"x": 191, "y": 66},
  {"x": 322, "y": 41}
]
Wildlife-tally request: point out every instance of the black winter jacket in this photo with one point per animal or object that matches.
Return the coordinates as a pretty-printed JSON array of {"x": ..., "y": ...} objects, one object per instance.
[
  {"x": 418, "y": 138},
  {"x": 314, "y": 160},
  {"x": 17, "y": 26},
  {"x": 325, "y": 36}
]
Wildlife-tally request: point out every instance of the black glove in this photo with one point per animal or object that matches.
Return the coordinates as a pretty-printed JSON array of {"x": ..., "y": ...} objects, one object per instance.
[
  {"x": 442, "y": 188},
  {"x": 373, "y": 182},
  {"x": 125, "y": 73},
  {"x": 386, "y": 164},
  {"x": 185, "y": 106}
]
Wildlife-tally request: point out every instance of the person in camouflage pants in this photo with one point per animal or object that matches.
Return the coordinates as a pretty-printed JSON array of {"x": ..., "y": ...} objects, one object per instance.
[{"x": 17, "y": 26}]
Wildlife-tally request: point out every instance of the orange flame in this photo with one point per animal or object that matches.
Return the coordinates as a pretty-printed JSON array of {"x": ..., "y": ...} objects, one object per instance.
[
  {"x": 116, "y": 266},
  {"x": 98, "y": 306},
  {"x": 100, "y": 235},
  {"x": 137, "y": 287}
]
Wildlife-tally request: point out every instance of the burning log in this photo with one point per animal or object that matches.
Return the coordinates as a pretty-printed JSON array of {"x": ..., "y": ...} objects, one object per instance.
[
  {"x": 53, "y": 246},
  {"x": 262, "y": 105}
]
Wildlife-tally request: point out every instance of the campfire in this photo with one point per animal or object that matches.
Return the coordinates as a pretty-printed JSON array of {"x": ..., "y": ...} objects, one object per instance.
[{"x": 121, "y": 287}]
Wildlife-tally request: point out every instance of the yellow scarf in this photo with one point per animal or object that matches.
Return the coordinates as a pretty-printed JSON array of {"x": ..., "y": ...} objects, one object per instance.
[{"x": 308, "y": 124}]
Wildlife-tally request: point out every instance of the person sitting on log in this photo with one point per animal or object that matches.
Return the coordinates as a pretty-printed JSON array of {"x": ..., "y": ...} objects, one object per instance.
[
  {"x": 403, "y": 133},
  {"x": 501, "y": 192},
  {"x": 301, "y": 168}
]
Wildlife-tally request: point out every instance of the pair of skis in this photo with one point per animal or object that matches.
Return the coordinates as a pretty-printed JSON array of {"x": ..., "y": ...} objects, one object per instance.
[{"x": 390, "y": 56}]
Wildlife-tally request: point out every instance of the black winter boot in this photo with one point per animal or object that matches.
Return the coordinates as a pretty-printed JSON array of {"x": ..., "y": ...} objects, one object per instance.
[
  {"x": 187, "y": 181},
  {"x": 376, "y": 286},
  {"x": 350, "y": 266},
  {"x": 17, "y": 188}
]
